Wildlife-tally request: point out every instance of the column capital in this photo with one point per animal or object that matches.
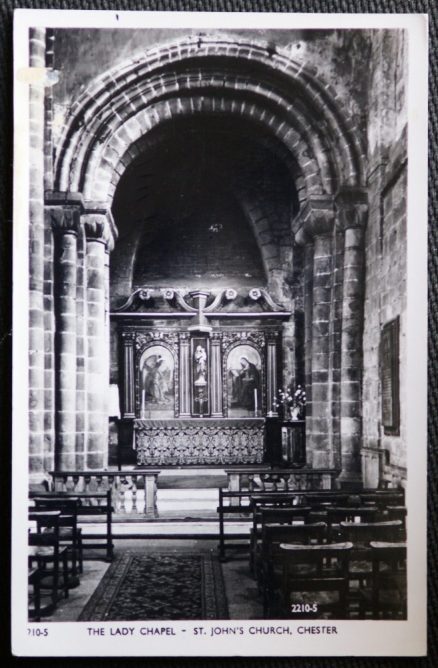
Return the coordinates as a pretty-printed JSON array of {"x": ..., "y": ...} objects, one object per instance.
[
  {"x": 128, "y": 337},
  {"x": 351, "y": 208},
  {"x": 316, "y": 218},
  {"x": 97, "y": 228},
  {"x": 88, "y": 210},
  {"x": 63, "y": 219}
]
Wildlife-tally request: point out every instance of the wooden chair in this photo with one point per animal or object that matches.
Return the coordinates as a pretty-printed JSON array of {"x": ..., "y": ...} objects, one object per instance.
[
  {"x": 338, "y": 514},
  {"x": 396, "y": 513},
  {"x": 323, "y": 500},
  {"x": 49, "y": 556},
  {"x": 91, "y": 504},
  {"x": 360, "y": 565},
  {"x": 319, "y": 575},
  {"x": 272, "y": 515},
  {"x": 266, "y": 564},
  {"x": 33, "y": 580},
  {"x": 70, "y": 533},
  {"x": 389, "y": 583}
]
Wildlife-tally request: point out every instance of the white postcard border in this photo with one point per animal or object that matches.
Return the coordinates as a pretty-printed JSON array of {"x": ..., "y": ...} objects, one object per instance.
[{"x": 364, "y": 638}]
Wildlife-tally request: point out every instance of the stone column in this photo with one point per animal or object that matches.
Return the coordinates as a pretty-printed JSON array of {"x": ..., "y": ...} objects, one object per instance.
[
  {"x": 314, "y": 229},
  {"x": 321, "y": 404},
  {"x": 184, "y": 375},
  {"x": 216, "y": 376},
  {"x": 352, "y": 211},
  {"x": 128, "y": 339},
  {"x": 308, "y": 313},
  {"x": 107, "y": 323},
  {"x": 81, "y": 343},
  {"x": 65, "y": 223},
  {"x": 271, "y": 372},
  {"x": 36, "y": 259},
  {"x": 97, "y": 235}
]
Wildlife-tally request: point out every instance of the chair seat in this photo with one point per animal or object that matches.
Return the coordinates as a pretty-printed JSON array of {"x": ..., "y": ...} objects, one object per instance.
[{"x": 44, "y": 551}]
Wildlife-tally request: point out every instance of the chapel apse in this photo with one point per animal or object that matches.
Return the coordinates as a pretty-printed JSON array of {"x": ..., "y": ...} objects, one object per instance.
[{"x": 206, "y": 204}]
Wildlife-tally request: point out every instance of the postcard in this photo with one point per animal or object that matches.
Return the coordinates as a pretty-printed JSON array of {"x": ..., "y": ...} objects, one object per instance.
[{"x": 219, "y": 402}]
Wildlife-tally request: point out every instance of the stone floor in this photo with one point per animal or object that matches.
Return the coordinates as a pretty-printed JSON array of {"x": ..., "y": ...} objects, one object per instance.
[{"x": 243, "y": 599}]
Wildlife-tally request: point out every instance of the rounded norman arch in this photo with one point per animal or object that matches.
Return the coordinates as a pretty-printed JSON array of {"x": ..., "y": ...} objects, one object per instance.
[{"x": 207, "y": 76}]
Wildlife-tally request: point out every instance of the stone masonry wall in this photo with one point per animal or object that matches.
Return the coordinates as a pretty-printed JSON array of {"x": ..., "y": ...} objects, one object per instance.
[{"x": 384, "y": 456}]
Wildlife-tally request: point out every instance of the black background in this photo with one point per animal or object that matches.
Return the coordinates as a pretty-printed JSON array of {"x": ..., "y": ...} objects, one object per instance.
[{"x": 6, "y": 11}]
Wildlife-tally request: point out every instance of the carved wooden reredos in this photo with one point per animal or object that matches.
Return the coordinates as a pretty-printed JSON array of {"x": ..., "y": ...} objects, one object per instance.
[{"x": 200, "y": 353}]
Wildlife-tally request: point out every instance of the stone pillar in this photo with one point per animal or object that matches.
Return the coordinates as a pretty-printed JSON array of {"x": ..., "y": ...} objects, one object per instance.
[
  {"x": 321, "y": 313},
  {"x": 271, "y": 372},
  {"x": 65, "y": 223},
  {"x": 216, "y": 376},
  {"x": 128, "y": 339},
  {"x": 184, "y": 375},
  {"x": 352, "y": 211},
  {"x": 36, "y": 260},
  {"x": 97, "y": 235},
  {"x": 81, "y": 348},
  {"x": 335, "y": 333},
  {"x": 107, "y": 325},
  {"x": 308, "y": 314},
  {"x": 314, "y": 229}
]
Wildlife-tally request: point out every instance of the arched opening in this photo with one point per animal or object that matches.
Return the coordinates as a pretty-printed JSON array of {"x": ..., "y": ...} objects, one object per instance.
[{"x": 206, "y": 204}]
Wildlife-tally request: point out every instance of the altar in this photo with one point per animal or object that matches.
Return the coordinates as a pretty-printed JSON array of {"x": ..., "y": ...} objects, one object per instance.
[
  {"x": 199, "y": 375},
  {"x": 199, "y": 441}
]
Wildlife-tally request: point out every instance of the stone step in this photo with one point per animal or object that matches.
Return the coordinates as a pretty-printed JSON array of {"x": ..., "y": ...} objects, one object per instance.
[{"x": 187, "y": 499}]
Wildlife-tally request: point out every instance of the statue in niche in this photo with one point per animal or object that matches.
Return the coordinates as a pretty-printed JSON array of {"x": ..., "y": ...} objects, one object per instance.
[
  {"x": 200, "y": 360},
  {"x": 244, "y": 370}
]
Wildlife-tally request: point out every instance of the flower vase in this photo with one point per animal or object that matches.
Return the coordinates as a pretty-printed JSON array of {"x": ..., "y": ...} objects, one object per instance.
[{"x": 295, "y": 413}]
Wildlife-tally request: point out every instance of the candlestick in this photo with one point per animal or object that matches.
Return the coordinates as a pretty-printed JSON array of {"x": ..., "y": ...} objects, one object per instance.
[
  {"x": 255, "y": 401},
  {"x": 142, "y": 404}
]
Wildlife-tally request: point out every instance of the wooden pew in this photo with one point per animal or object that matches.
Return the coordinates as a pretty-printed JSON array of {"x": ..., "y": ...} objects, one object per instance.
[{"x": 93, "y": 504}]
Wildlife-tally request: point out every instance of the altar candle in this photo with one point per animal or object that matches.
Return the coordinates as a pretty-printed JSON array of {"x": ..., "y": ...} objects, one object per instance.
[
  {"x": 142, "y": 403},
  {"x": 255, "y": 401}
]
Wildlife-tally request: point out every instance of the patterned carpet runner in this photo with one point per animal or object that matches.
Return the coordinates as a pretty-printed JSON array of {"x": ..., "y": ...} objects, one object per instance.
[{"x": 159, "y": 586}]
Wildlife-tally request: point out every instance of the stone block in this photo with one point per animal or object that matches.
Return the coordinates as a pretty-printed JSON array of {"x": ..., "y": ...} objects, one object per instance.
[
  {"x": 95, "y": 295},
  {"x": 322, "y": 280},
  {"x": 320, "y": 328},
  {"x": 95, "y": 460},
  {"x": 350, "y": 390},
  {"x": 320, "y": 392},
  {"x": 351, "y": 408},
  {"x": 321, "y": 458},
  {"x": 320, "y": 408},
  {"x": 320, "y": 376},
  {"x": 320, "y": 425},
  {"x": 321, "y": 295},
  {"x": 320, "y": 361},
  {"x": 97, "y": 421},
  {"x": 95, "y": 278},
  {"x": 67, "y": 460},
  {"x": 350, "y": 427},
  {"x": 36, "y": 463}
]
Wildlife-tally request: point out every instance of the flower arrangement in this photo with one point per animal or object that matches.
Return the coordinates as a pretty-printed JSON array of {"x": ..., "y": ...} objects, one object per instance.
[{"x": 291, "y": 401}]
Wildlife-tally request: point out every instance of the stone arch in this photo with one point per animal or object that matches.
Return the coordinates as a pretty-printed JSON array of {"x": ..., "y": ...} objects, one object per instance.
[
  {"x": 258, "y": 219},
  {"x": 246, "y": 77}
]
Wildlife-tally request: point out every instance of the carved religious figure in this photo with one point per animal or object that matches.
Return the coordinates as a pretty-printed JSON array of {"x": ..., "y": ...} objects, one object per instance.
[{"x": 200, "y": 360}]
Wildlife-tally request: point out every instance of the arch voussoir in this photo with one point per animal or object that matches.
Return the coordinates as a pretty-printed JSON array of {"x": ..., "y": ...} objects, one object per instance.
[{"x": 310, "y": 109}]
